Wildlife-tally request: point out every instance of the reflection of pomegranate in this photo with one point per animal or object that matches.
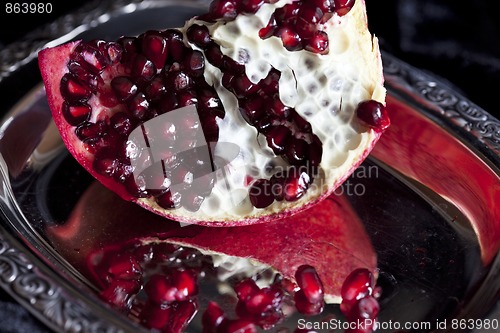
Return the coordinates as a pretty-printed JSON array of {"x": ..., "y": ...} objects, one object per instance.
[
  {"x": 278, "y": 82},
  {"x": 159, "y": 279}
]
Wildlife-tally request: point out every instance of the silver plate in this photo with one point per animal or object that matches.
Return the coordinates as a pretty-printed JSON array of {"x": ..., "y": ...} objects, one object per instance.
[{"x": 41, "y": 279}]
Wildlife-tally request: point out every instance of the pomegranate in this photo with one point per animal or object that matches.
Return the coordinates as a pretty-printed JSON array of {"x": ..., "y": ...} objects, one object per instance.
[{"x": 246, "y": 114}]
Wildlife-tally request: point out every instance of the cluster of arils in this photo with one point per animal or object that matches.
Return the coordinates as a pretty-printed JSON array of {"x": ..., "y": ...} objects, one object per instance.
[
  {"x": 360, "y": 300},
  {"x": 287, "y": 133},
  {"x": 298, "y": 24},
  {"x": 155, "y": 73},
  {"x": 159, "y": 284}
]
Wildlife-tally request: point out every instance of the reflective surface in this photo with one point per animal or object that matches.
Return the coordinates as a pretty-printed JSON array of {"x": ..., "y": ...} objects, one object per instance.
[{"x": 426, "y": 197}]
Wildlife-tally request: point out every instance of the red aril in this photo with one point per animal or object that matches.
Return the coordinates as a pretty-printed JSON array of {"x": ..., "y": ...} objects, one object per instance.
[
  {"x": 237, "y": 105},
  {"x": 309, "y": 282}
]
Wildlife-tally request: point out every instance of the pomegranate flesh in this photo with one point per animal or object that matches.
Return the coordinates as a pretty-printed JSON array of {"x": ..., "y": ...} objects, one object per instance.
[{"x": 179, "y": 120}]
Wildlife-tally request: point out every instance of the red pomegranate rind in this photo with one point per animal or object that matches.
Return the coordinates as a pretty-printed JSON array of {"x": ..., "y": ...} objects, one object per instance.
[
  {"x": 53, "y": 66},
  {"x": 330, "y": 238}
]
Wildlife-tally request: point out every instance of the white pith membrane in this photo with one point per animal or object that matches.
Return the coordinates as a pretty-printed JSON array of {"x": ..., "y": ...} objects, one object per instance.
[{"x": 323, "y": 89}]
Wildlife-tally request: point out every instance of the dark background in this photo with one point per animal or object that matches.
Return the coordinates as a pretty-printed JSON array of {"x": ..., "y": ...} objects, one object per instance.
[{"x": 457, "y": 40}]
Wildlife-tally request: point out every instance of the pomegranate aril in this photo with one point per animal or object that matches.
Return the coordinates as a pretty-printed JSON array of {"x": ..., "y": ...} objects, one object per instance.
[
  {"x": 296, "y": 184},
  {"x": 288, "y": 13},
  {"x": 118, "y": 292},
  {"x": 318, "y": 43},
  {"x": 123, "y": 172},
  {"x": 155, "y": 316},
  {"x": 373, "y": 114},
  {"x": 175, "y": 45},
  {"x": 114, "y": 52},
  {"x": 310, "y": 283},
  {"x": 245, "y": 289},
  {"x": 154, "y": 47},
  {"x": 279, "y": 109},
  {"x": 92, "y": 56},
  {"x": 342, "y": 7},
  {"x": 169, "y": 200},
  {"x": 194, "y": 63},
  {"x": 365, "y": 308},
  {"x": 159, "y": 289},
  {"x": 90, "y": 130},
  {"x": 266, "y": 299},
  {"x": 296, "y": 152},
  {"x": 277, "y": 139},
  {"x": 270, "y": 85},
  {"x": 214, "y": 54},
  {"x": 76, "y": 114},
  {"x": 231, "y": 66},
  {"x": 122, "y": 123},
  {"x": 156, "y": 89},
  {"x": 290, "y": 38},
  {"x": 305, "y": 307},
  {"x": 105, "y": 162},
  {"x": 308, "y": 18},
  {"x": 326, "y": 6},
  {"x": 358, "y": 284},
  {"x": 251, "y": 6},
  {"x": 179, "y": 81},
  {"x": 212, "y": 318},
  {"x": 138, "y": 106},
  {"x": 125, "y": 268},
  {"x": 182, "y": 314},
  {"x": 270, "y": 29},
  {"x": 208, "y": 99},
  {"x": 242, "y": 86},
  {"x": 199, "y": 35},
  {"x": 252, "y": 109},
  {"x": 168, "y": 102},
  {"x": 143, "y": 69},
  {"x": 302, "y": 124},
  {"x": 187, "y": 98},
  {"x": 72, "y": 90},
  {"x": 260, "y": 193},
  {"x": 124, "y": 88},
  {"x": 265, "y": 125},
  {"x": 192, "y": 201},
  {"x": 223, "y": 9},
  {"x": 91, "y": 80}
]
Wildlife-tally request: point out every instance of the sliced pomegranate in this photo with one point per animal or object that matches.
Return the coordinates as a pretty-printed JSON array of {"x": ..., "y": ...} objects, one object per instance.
[{"x": 177, "y": 120}]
